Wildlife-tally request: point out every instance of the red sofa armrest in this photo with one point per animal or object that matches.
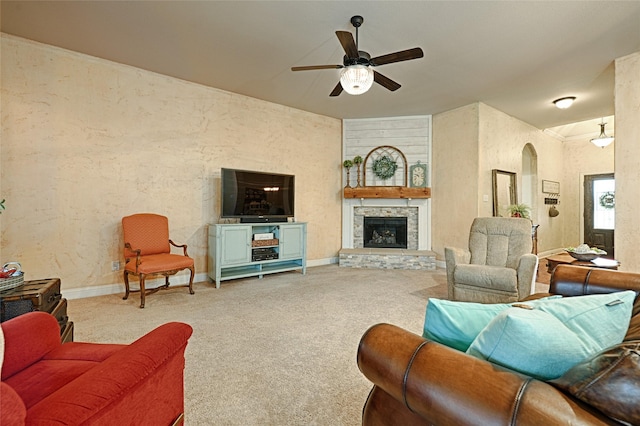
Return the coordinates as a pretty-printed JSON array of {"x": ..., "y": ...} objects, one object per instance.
[
  {"x": 12, "y": 409},
  {"x": 27, "y": 338},
  {"x": 142, "y": 383}
]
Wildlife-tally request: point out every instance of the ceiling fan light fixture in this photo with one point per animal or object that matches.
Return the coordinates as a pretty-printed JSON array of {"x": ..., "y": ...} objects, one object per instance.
[
  {"x": 602, "y": 140},
  {"x": 356, "y": 79},
  {"x": 564, "y": 103}
]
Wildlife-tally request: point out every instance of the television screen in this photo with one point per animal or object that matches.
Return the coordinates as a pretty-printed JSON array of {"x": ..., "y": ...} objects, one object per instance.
[{"x": 257, "y": 195}]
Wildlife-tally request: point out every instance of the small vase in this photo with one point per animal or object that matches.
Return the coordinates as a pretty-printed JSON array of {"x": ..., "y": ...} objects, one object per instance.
[
  {"x": 358, "y": 177},
  {"x": 348, "y": 185}
]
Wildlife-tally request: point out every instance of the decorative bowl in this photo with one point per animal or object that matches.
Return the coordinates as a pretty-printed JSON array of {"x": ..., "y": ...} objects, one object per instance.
[{"x": 586, "y": 256}]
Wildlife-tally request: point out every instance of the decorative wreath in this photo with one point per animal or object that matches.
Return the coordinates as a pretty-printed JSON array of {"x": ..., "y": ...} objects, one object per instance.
[
  {"x": 384, "y": 167},
  {"x": 608, "y": 200}
]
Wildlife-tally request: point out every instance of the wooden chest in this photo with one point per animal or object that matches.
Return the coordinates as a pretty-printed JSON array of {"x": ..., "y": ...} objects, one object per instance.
[
  {"x": 37, "y": 295},
  {"x": 60, "y": 312},
  {"x": 66, "y": 333}
]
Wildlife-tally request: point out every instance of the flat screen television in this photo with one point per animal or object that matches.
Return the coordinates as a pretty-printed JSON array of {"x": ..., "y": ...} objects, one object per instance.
[{"x": 257, "y": 196}]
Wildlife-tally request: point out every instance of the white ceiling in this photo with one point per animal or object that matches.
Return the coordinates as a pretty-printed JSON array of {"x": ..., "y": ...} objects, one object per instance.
[{"x": 515, "y": 56}]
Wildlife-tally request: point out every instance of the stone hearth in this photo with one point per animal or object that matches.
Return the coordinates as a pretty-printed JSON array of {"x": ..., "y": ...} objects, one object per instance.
[{"x": 385, "y": 258}]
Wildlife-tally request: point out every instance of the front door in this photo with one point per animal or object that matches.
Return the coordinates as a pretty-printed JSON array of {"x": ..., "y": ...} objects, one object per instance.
[{"x": 599, "y": 211}]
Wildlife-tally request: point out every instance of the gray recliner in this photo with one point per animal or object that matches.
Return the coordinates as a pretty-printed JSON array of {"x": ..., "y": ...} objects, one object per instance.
[{"x": 498, "y": 267}]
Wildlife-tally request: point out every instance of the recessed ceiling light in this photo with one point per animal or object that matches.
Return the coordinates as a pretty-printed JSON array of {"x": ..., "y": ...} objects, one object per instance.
[{"x": 564, "y": 103}]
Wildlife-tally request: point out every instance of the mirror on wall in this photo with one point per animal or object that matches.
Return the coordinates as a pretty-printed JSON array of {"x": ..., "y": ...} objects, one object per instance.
[{"x": 504, "y": 192}]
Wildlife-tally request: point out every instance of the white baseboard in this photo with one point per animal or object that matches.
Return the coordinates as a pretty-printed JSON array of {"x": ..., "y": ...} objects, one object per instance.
[
  {"x": 550, "y": 253},
  {"x": 321, "y": 262},
  {"x": 103, "y": 290}
]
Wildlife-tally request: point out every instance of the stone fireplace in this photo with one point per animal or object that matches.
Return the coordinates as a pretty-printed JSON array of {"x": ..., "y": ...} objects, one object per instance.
[
  {"x": 385, "y": 232},
  {"x": 362, "y": 213},
  {"x": 402, "y": 228}
]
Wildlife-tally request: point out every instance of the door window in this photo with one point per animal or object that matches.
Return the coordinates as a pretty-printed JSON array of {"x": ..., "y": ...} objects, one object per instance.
[{"x": 604, "y": 204}]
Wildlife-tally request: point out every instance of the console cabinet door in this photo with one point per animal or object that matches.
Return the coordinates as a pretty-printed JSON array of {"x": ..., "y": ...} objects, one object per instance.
[
  {"x": 292, "y": 238},
  {"x": 235, "y": 245}
]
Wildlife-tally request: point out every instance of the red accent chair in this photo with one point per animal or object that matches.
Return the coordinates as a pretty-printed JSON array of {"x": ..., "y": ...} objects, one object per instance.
[
  {"x": 146, "y": 240},
  {"x": 45, "y": 382}
]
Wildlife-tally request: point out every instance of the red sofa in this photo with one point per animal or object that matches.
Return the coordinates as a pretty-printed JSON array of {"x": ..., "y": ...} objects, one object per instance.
[{"x": 45, "y": 382}]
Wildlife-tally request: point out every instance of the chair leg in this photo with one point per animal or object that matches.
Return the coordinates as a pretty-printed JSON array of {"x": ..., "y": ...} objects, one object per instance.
[
  {"x": 193, "y": 271},
  {"x": 126, "y": 285},
  {"x": 142, "y": 291}
]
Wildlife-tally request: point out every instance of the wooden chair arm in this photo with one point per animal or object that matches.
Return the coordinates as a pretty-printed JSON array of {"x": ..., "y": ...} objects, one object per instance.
[
  {"x": 183, "y": 246},
  {"x": 136, "y": 251}
]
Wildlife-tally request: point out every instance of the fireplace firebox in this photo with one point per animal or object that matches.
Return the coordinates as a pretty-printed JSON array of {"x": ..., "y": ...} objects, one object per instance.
[{"x": 385, "y": 232}]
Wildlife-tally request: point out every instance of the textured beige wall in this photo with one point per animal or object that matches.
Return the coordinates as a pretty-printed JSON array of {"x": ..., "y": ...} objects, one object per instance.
[
  {"x": 87, "y": 141},
  {"x": 627, "y": 160},
  {"x": 468, "y": 143},
  {"x": 455, "y": 183},
  {"x": 502, "y": 139}
]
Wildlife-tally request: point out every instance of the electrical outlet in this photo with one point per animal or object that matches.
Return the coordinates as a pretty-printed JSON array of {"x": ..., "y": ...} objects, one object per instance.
[{"x": 115, "y": 265}]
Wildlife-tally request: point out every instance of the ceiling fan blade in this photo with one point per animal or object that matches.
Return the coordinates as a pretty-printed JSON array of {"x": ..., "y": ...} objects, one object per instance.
[
  {"x": 403, "y": 55},
  {"x": 336, "y": 90},
  {"x": 385, "y": 81},
  {"x": 348, "y": 44},
  {"x": 317, "y": 67}
]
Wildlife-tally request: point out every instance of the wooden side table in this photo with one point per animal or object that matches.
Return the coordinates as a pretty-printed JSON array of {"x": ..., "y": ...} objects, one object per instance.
[{"x": 567, "y": 259}]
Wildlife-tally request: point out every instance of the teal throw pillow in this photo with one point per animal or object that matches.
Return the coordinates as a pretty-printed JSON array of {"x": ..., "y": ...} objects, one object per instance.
[
  {"x": 456, "y": 324},
  {"x": 546, "y": 340}
]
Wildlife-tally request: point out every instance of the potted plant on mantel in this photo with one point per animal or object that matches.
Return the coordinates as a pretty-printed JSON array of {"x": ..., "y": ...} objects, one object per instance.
[
  {"x": 348, "y": 164},
  {"x": 357, "y": 160},
  {"x": 519, "y": 210}
]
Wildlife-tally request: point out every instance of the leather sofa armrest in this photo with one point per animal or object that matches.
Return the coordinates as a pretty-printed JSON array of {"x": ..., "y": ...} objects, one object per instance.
[
  {"x": 570, "y": 280},
  {"x": 28, "y": 338},
  {"x": 140, "y": 383},
  {"x": 444, "y": 386}
]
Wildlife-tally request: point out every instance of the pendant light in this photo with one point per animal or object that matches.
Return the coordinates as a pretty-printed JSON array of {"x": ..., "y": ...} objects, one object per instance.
[{"x": 602, "y": 140}]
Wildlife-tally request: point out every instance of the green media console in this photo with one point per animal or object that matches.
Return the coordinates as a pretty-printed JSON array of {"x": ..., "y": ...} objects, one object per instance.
[{"x": 255, "y": 249}]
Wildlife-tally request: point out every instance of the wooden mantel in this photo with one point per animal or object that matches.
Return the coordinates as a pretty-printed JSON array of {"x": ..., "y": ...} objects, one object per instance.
[{"x": 387, "y": 192}]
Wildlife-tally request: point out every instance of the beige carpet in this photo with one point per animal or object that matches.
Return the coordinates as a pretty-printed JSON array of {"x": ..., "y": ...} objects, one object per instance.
[{"x": 274, "y": 351}]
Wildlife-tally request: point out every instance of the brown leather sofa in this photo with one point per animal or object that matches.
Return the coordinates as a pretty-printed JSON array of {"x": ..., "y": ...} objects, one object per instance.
[{"x": 418, "y": 382}]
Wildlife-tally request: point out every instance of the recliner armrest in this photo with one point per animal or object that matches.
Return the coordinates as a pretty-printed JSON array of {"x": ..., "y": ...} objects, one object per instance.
[
  {"x": 444, "y": 386},
  {"x": 454, "y": 256},
  {"x": 527, "y": 270}
]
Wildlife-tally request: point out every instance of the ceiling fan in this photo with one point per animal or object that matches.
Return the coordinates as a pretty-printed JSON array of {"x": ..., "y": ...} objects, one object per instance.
[{"x": 357, "y": 73}]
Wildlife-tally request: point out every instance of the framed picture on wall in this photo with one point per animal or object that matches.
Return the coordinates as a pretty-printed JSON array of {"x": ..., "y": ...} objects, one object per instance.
[{"x": 550, "y": 187}]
